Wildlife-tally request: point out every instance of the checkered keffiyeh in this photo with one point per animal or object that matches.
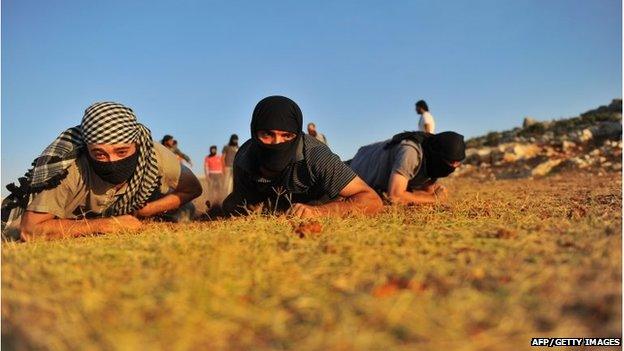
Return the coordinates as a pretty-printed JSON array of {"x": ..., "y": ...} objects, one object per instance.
[{"x": 103, "y": 123}]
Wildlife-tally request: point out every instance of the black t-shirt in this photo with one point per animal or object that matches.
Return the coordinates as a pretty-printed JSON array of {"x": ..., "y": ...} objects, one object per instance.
[{"x": 317, "y": 176}]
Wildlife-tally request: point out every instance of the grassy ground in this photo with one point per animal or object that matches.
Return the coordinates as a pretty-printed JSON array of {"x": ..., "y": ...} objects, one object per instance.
[{"x": 504, "y": 261}]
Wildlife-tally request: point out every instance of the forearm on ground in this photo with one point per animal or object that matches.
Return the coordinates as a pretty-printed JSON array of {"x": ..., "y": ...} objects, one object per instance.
[
  {"x": 166, "y": 203},
  {"x": 65, "y": 228},
  {"x": 363, "y": 202},
  {"x": 414, "y": 197}
]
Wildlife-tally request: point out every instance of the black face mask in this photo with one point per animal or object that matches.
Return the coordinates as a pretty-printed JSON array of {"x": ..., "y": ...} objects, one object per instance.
[
  {"x": 437, "y": 167},
  {"x": 116, "y": 172},
  {"x": 277, "y": 157}
]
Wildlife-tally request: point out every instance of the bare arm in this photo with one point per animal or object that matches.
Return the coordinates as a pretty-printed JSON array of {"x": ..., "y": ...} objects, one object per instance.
[
  {"x": 47, "y": 226},
  {"x": 188, "y": 189},
  {"x": 398, "y": 193},
  {"x": 359, "y": 198}
]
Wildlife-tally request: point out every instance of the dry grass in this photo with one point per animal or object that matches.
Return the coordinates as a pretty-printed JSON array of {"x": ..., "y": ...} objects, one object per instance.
[{"x": 501, "y": 263}]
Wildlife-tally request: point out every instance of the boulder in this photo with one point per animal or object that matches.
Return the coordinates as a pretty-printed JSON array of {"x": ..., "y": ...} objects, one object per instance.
[
  {"x": 585, "y": 135},
  {"x": 567, "y": 145},
  {"x": 544, "y": 168},
  {"x": 526, "y": 151},
  {"x": 529, "y": 121},
  {"x": 608, "y": 130}
]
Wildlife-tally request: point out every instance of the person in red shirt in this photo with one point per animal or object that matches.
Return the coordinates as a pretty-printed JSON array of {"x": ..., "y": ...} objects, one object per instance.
[{"x": 213, "y": 167}]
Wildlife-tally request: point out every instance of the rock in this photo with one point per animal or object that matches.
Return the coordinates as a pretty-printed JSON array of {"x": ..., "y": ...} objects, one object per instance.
[
  {"x": 510, "y": 157},
  {"x": 549, "y": 151},
  {"x": 526, "y": 151},
  {"x": 529, "y": 121},
  {"x": 544, "y": 168},
  {"x": 594, "y": 152},
  {"x": 567, "y": 145},
  {"x": 586, "y": 135},
  {"x": 569, "y": 164},
  {"x": 581, "y": 163},
  {"x": 607, "y": 129}
]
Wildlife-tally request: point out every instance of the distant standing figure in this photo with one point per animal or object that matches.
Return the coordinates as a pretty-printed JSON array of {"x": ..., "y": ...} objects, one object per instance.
[
  {"x": 228, "y": 153},
  {"x": 172, "y": 144},
  {"x": 312, "y": 131},
  {"x": 213, "y": 167},
  {"x": 426, "y": 122},
  {"x": 181, "y": 155}
]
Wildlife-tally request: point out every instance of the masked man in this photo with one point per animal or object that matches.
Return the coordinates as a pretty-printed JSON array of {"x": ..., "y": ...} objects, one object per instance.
[
  {"x": 407, "y": 166},
  {"x": 285, "y": 170},
  {"x": 98, "y": 177}
]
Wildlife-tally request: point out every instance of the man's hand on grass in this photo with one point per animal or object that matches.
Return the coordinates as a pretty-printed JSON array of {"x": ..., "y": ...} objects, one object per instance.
[
  {"x": 441, "y": 193},
  {"x": 303, "y": 211},
  {"x": 125, "y": 222}
]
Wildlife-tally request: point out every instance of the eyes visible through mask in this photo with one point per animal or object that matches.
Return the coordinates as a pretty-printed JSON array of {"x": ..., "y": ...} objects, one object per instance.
[
  {"x": 275, "y": 136},
  {"x": 453, "y": 164},
  {"x": 111, "y": 152}
]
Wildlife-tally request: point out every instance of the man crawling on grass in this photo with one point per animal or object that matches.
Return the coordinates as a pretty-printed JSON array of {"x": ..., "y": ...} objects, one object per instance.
[
  {"x": 101, "y": 176},
  {"x": 280, "y": 169},
  {"x": 406, "y": 167}
]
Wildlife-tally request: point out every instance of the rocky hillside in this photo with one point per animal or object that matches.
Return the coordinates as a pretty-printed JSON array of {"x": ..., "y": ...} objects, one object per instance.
[{"x": 590, "y": 142}]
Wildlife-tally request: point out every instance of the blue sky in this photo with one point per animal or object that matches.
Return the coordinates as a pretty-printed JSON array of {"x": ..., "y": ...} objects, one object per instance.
[{"x": 195, "y": 69}]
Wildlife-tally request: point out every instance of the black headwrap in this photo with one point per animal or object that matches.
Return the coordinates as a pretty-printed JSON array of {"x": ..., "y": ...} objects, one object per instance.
[
  {"x": 439, "y": 149},
  {"x": 233, "y": 140},
  {"x": 276, "y": 113}
]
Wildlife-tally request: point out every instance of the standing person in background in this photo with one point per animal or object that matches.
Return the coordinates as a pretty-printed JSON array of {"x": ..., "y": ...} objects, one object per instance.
[
  {"x": 172, "y": 145},
  {"x": 181, "y": 155},
  {"x": 228, "y": 153},
  {"x": 213, "y": 167},
  {"x": 426, "y": 123},
  {"x": 312, "y": 131}
]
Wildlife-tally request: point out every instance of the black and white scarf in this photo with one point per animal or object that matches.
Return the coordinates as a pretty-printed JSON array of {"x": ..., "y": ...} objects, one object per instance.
[{"x": 103, "y": 123}]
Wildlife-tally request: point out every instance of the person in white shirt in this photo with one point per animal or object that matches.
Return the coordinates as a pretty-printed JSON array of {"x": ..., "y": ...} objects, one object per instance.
[{"x": 426, "y": 122}]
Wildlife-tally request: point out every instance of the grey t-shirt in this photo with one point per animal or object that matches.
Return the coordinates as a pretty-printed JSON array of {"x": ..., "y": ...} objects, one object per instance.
[{"x": 375, "y": 164}]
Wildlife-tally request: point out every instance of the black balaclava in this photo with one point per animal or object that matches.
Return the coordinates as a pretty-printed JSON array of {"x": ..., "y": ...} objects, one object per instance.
[
  {"x": 234, "y": 140},
  {"x": 276, "y": 113},
  {"x": 213, "y": 150},
  {"x": 116, "y": 172},
  {"x": 440, "y": 149}
]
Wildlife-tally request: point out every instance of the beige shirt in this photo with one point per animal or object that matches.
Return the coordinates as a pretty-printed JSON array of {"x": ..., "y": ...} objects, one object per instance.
[{"x": 84, "y": 193}]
